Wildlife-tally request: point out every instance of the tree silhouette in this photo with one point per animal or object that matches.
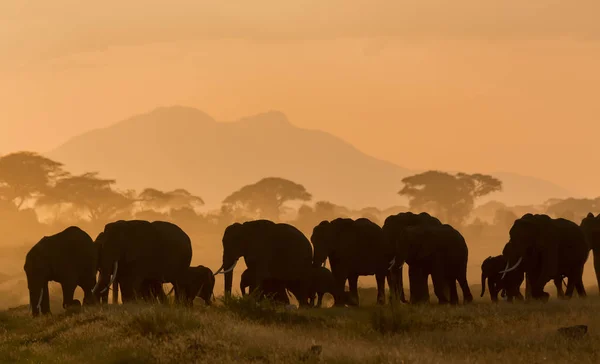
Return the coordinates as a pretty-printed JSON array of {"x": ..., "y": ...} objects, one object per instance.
[
  {"x": 90, "y": 196},
  {"x": 27, "y": 175},
  {"x": 452, "y": 197},
  {"x": 574, "y": 209},
  {"x": 157, "y": 200},
  {"x": 266, "y": 197}
]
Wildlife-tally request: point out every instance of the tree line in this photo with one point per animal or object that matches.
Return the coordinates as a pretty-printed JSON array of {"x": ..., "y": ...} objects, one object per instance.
[{"x": 38, "y": 191}]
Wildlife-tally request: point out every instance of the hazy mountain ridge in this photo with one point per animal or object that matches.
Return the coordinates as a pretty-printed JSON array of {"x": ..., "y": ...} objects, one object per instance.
[{"x": 172, "y": 147}]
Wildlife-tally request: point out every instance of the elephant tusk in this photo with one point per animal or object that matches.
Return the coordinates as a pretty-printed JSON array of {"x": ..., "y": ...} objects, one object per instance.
[
  {"x": 228, "y": 270},
  {"x": 95, "y": 287},
  {"x": 39, "y": 305},
  {"x": 511, "y": 268},
  {"x": 218, "y": 272},
  {"x": 112, "y": 277},
  {"x": 505, "y": 269},
  {"x": 392, "y": 263}
]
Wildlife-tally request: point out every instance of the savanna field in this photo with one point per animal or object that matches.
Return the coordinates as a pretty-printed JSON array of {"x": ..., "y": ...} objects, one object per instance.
[{"x": 244, "y": 331}]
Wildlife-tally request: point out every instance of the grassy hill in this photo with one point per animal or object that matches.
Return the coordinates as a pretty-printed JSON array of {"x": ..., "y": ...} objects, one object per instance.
[{"x": 241, "y": 332}]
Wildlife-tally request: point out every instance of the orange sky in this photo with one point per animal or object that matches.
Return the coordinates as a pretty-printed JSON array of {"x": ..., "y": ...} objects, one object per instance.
[{"x": 425, "y": 84}]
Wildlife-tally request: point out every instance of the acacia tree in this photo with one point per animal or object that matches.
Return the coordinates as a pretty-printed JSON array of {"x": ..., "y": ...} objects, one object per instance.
[
  {"x": 27, "y": 175},
  {"x": 266, "y": 197},
  {"x": 160, "y": 201},
  {"x": 451, "y": 197},
  {"x": 90, "y": 196},
  {"x": 574, "y": 209}
]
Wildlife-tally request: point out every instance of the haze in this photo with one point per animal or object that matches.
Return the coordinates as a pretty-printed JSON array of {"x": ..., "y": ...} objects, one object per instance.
[{"x": 461, "y": 85}]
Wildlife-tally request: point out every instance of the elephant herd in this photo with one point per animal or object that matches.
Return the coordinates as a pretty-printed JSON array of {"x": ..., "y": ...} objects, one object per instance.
[{"x": 137, "y": 257}]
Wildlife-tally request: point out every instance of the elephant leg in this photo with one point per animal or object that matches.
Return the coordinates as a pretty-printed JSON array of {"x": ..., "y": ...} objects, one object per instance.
[
  {"x": 559, "y": 290},
  {"x": 127, "y": 291},
  {"x": 115, "y": 293},
  {"x": 464, "y": 285},
  {"x": 320, "y": 299},
  {"x": 36, "y": 296},
  {"x": 340, "y": 287},
  {"x": 353, "y": 285},
  {"x": 45, "y": 300},
  {"x": 394, "y": 279},
  {"x": 571, "y": 281},
  {"x": 380, "y": 278},
  {"x": 596, "y": 253},
  {"x": 453, "y": 291},
  {"x": 527, "y": 287},
  {"x": 419, "y": 290},
  {"x": 68, "y": 290},
  {"x": 440, "y": 285},
  {"x": 493, "y": 289},
  {"x": 577, "y": 278}
]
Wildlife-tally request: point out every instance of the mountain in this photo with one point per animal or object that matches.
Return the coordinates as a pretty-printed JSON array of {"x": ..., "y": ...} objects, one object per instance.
[{"x": 181, "y": 147}]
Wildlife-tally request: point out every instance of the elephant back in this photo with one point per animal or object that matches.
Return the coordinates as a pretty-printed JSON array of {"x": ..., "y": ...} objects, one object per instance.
[
  {"x": 70, "y": 252},
  {"x": 291, "y": 257}
]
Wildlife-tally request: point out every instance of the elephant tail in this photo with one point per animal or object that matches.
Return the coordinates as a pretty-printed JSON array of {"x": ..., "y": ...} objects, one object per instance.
[{"x": 483, "y": 277}]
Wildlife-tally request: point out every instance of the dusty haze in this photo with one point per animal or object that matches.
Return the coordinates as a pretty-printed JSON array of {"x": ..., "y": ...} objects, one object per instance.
[{"x": 500, "y": 86}]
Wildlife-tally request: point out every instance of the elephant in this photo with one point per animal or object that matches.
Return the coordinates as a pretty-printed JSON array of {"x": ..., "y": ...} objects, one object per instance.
[
  {"x": 393, "y": 227},
  {"x": 437, "y": 250},
  {"x": 69, "y": 258},
  {"x": 322, "y": 281},
  {"x": 591, "y": 230},
  {"x": 132, "y": 252},
  {"x": 354, "y": 248},
  {"x": 273, "y": 289},
  {"x": 276, "y": 253},
  {"x": 548, "y": 249},
  {"x": 509, "y": 285},
  {"x": 199, "y": 281}
]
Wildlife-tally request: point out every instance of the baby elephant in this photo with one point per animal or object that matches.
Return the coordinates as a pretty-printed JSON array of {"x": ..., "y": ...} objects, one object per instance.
[
  {"x": 509, "y": 284},
  {"x": 198, "y": 282},
  {"x": 272, "y": 289},
  {"x": 322, "y": 282}
]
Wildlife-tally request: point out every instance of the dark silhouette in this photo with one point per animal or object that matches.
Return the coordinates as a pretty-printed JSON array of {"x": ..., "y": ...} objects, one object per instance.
[
  {"x": 266, "y": 197},
  {"x": 509, "y": 284},
  {"x": 69, "y": 258},
  {"x": 548, "y": 249},
  {"x": 439, "y": 250},
  {"x": 153, "y": 199},
  {"x": 136, "y": 251},
  {"x": 354, "y": 248},
  {"x": 274, "y": 252},
  {"x": 26, "y": 175},
  {"x": 591, "y": 229},
  {"x": 393, "y": 228},
  {"x": 451, "y": 196},
  {"x": 90, "y": 197}
]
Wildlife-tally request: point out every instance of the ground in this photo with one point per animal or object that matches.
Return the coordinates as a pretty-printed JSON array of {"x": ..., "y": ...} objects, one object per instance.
[{"x": 239, "y": 331}]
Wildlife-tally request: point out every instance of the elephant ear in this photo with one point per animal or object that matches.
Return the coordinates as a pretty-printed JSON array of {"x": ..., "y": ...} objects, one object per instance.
[{"x": 419, "y": 245}]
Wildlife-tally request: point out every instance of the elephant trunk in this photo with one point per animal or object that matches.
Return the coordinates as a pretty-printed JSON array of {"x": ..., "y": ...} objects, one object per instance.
[{"x": 483, "y": 277}]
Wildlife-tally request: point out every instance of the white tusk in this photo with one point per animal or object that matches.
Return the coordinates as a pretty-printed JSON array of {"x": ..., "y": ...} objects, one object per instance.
[
  {"x": 39, "y": 305},
  {"x": 505, "y": 269},
  {"x": 392, "y": 263},
  {"x": 512, "y": 268},
  {"x": 95, "y": 287},
  {"x": 228, "y": 270},
  {"x": 323, "y": 264},
  {"x": 218, "y": 272},
  {"x": 112, "y": 277}
]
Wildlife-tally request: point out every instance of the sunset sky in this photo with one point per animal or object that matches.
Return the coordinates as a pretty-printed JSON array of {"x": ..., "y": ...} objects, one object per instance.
[{"x": 466, "y": 85}]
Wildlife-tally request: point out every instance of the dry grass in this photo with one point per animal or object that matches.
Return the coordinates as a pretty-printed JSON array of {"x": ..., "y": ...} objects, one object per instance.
[{"x": 240, "y": 331}]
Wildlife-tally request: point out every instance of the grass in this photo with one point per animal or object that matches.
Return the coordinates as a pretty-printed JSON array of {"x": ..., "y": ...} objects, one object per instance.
[{"x": 242, "y": 330}]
